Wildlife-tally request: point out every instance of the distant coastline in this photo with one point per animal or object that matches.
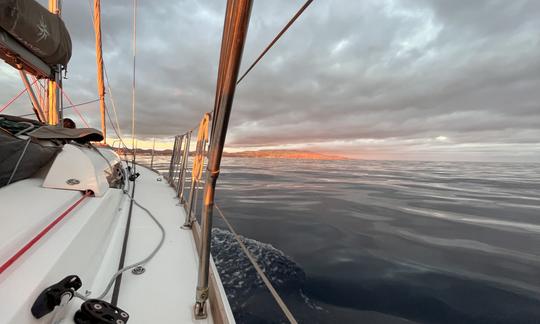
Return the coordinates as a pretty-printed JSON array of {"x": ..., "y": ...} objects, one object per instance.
[
  {"x": 261, "y": 154},
  {"x": 285, "y": 154}
]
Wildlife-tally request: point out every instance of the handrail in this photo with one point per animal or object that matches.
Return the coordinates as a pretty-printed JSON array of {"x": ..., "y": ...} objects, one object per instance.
[
  {"x": 177, "y": 179},
  {"x": 185, "y": 158}
]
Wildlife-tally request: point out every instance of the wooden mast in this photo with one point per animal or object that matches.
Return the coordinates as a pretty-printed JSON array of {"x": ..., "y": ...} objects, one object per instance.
[
  {"x": 52, "y": 89},
  {"x": 99, "y": 63}
]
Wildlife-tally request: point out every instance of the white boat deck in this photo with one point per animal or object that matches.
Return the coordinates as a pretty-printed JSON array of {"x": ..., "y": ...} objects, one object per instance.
[
  {"x": 88, "y": 243},
  {"x": 173, "y": 271}
]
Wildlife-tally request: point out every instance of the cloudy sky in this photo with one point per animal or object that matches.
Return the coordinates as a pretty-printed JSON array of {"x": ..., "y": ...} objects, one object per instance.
[{"x": 409, "y": 79}]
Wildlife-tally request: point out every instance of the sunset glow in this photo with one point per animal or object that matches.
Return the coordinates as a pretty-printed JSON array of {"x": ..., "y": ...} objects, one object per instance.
[{"x": 423, "y": 80}]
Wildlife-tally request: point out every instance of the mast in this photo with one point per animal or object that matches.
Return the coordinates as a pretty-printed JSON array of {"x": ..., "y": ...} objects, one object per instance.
[
  {"x": 99, "y": 63},
  {"x": 234, "y": 36},
  {"x": 54, "y": 85}
]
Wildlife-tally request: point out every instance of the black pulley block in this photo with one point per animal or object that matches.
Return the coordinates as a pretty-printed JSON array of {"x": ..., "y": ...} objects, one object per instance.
[{"x": 95, "y": 311}]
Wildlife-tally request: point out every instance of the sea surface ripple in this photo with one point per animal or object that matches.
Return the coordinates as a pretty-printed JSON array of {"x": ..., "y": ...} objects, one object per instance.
[{"x": 381, "y": 241}]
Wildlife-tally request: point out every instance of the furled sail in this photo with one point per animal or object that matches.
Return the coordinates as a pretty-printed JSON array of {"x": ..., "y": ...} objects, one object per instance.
[{"x": 38, "y": 30}]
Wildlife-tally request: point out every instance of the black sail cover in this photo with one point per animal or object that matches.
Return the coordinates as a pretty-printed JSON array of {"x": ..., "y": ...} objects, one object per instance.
[
  {"x": 34, "y": 157},
  {"x": 40, "y": 31}
]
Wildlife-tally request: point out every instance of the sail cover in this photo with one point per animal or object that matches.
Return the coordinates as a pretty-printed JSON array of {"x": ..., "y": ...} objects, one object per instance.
[
  {"x": 41, "y": 32},
  {"x": 32, "y": 155},
  {"x": 80, "y": 135}
]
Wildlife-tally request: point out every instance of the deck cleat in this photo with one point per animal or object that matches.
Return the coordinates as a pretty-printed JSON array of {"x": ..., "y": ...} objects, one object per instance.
[{"x": 52, "y": 296}]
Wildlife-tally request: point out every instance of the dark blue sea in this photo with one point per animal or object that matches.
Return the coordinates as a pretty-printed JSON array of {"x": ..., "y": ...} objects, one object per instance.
[{"x": 381, "y": 241}]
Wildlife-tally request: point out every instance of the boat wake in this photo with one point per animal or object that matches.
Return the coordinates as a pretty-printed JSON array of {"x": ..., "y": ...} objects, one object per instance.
[{"x": 249, "y": 298}]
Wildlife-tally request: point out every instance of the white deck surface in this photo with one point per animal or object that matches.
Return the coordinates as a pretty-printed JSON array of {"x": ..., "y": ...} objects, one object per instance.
[
  {"x": 88, "y": 243},
  {"x": 165, "y": 292}
]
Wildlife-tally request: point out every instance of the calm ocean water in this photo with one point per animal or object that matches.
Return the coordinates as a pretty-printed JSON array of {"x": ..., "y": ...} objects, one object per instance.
[{"x": 382, "y": 241}]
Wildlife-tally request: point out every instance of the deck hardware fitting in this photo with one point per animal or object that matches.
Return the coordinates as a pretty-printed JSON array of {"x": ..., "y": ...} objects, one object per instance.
[
  {"x": 138, "y": 270},
  {"x": 100, "y": 311},
  {"x": 186, "y": 226},
  {"x": 52, "y": 296}
]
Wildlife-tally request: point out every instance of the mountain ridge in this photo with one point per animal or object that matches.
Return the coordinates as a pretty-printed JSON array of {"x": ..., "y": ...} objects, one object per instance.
[{"x": 285, "y": 154}]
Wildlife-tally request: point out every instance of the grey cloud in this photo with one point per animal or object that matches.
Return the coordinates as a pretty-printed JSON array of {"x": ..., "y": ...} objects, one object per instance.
[{"x": 398, "y": 72}]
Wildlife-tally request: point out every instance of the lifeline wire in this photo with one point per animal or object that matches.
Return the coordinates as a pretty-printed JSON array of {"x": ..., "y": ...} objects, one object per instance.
[
  {"x": 267, "y": 282},
  {"x": 66, "y": 107},
  {"x": 133, "y": 81}
]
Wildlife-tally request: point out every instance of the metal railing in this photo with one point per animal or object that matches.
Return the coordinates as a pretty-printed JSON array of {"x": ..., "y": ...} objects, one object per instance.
[
  {"x": 182, "y": 176},
  {"x": 234, "y": 36}
]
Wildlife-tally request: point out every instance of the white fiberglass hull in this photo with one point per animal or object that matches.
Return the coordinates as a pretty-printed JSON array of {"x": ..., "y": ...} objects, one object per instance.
[{"x": 88, "y": 243}]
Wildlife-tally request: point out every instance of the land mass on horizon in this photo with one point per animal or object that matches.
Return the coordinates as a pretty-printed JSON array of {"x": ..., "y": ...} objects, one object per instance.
[
  {"x": 265, "y": 154},
  {"x": 285, "y": 154}
]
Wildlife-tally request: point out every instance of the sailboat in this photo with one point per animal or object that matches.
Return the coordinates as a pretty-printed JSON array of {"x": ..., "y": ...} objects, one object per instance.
[{"x": 88, "y": 236}]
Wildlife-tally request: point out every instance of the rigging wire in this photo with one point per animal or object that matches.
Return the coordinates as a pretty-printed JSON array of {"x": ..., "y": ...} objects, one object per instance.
[
  {"x": 117, "y": 129},
  {"x": 260, "y": 272},
  {"x": 71, "y": 104},
  {"x": 67, "y": 107},
  {"x": 134, "y": 41},
  {"x": 253, "y": 261},
  {"x": 293, "y": 19},
  {"x": 74, "y": 107},
  {"x": 15, "y": 98}
]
